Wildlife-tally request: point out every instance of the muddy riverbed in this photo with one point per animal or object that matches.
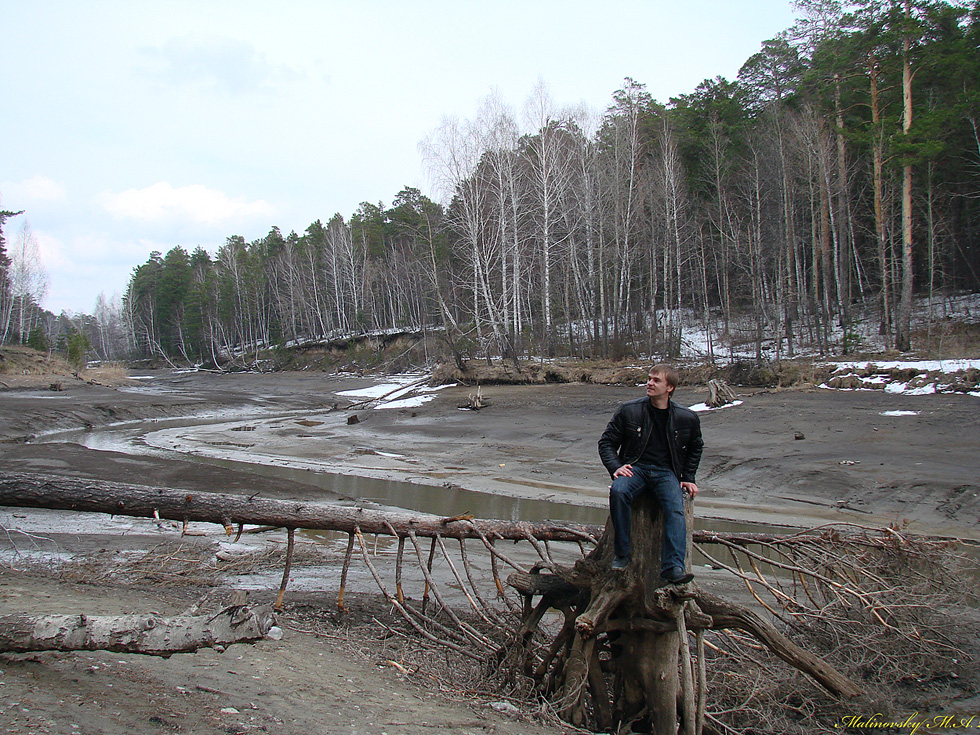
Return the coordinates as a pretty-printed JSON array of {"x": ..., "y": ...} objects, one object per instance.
[{"x": 794, "y": 457}]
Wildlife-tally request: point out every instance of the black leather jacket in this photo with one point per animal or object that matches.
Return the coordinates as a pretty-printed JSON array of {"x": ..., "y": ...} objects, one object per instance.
[{"x": 629, "y": 430}]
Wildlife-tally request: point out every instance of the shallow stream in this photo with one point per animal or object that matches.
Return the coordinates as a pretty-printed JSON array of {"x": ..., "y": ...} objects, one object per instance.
[{"x": 449, "y": 500}]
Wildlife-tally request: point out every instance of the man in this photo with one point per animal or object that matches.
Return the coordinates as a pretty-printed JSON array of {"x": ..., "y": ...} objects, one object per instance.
[{"x": 653, "y": 445}]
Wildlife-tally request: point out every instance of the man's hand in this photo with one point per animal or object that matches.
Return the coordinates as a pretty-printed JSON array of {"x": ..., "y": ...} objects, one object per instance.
[
  {"x": 625, "y": 471},
  {"x": 690, "y": 488}
]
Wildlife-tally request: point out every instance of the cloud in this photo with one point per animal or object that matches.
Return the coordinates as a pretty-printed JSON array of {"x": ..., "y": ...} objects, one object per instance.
[
  {"x": 52, "y": 251},
  {"x": 85, "y": 265},
  {"x": 197, "y": 203},
  {"x": 219, "y": 63},
  {"x": 38, "y": 188}
]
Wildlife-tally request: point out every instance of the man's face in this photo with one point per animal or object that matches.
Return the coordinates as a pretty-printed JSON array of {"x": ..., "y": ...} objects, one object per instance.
[{"x": 657, "y": 386}]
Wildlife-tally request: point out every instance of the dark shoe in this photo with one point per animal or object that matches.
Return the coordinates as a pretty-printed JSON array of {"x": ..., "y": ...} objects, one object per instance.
[
  {"x": 675, "y": 576},
  {"x": 620, "y": 563}
]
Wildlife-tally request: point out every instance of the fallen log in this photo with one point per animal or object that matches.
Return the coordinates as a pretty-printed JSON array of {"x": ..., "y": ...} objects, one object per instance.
[
  {"x": 149, "y": 634},
  {"x": 56, "y": 492},
  {"x": 29, "y": 490}
]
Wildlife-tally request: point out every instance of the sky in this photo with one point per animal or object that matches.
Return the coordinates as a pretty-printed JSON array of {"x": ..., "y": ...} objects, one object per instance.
[{"x": 132, "y": 126}]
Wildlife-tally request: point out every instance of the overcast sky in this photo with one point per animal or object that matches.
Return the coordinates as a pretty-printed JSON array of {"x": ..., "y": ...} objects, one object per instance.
[{"x": 132, "y": 126}]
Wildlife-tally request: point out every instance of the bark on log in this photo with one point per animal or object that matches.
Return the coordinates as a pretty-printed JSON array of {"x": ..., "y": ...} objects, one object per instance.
[
  {"x": 30, "y": 490},
  {"x": 147, "y": 634}
]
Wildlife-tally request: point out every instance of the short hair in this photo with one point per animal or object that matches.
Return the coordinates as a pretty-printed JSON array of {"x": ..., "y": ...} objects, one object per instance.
[{"x": 670, "y": 375}]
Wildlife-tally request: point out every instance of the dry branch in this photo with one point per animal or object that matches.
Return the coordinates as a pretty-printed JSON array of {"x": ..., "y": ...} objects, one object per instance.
[{"x": 727, "y": 615}]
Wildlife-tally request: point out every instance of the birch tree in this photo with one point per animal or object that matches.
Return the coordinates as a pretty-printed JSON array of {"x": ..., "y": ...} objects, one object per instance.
[
  {"x": 453, "y": 154},
  {"x": 548, "y": 174},
  {"x": 6, "y": 292},
  {"x": 771, "y": 76},
  {"x": 622, "y": 149},
  {"x": 28, "y": 280}
]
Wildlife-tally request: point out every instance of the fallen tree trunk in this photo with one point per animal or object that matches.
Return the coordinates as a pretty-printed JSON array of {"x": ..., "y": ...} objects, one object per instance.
[
  {"x": 29, "y": 490},
  {"x": 147, "y": 634},
  {"x": 56, "y": 492}
]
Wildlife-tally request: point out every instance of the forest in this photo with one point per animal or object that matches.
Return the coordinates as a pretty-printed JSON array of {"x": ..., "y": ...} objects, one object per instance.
[{"x": 812, "y": 205}]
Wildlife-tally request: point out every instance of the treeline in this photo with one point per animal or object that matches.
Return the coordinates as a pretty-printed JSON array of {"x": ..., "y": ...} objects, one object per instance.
[{"x": 838, "y": 175}]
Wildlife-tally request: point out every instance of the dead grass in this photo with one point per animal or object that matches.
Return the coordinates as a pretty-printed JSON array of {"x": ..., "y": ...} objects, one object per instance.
[
  {"x": 110, "y": 374},
  {"x": 27, "y": 366},
  {"x": 948, "y": 340},
  {"x": 24, "y": 367}
]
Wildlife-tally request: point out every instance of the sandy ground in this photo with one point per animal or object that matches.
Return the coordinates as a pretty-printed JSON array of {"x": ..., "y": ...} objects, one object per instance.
[{"x": 798, "y": 457}]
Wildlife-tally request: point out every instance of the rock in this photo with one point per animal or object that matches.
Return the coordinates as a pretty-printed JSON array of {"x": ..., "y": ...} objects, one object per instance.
[
  {"x": 505, "y": 708},
  {"x": 846, "y": 382}
]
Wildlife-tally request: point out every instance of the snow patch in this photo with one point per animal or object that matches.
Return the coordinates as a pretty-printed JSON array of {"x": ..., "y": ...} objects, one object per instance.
[
  {"x": 412, "y": 402},
  {"x": 701, "y": 407},
  {"x": 902, "y": 388},
  {"x": 930, "y": 378},
  {"x": 932, "y": 366}
]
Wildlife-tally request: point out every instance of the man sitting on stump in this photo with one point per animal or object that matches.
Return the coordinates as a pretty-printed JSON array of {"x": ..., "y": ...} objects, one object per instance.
[{"x": 652, "y": 444}]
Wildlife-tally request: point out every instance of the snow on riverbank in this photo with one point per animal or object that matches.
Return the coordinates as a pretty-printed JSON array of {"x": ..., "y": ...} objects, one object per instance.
[
  {"x": 408, "y": 390},
  {"x": 907, "y": 377}
]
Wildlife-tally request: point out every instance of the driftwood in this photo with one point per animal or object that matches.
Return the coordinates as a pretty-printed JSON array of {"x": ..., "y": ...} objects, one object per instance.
[
  {"x": 55, "y": 492},
  {"x": 147, "y": 634},
  {"x": 475, "y": 401},
  {"x": 230, "y": 511}
]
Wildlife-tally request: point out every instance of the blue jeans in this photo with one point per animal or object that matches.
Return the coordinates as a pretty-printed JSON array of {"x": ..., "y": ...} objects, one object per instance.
[{"x": 667, "y": 490}]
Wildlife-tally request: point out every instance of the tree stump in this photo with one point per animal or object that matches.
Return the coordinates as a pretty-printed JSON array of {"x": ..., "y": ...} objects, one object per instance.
[
  {"x": 721, "y": 393},
  {"x": 475, "y": 401},
  {"x": 622, "y": 657},
  {"x": 620, "y": 660}
]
